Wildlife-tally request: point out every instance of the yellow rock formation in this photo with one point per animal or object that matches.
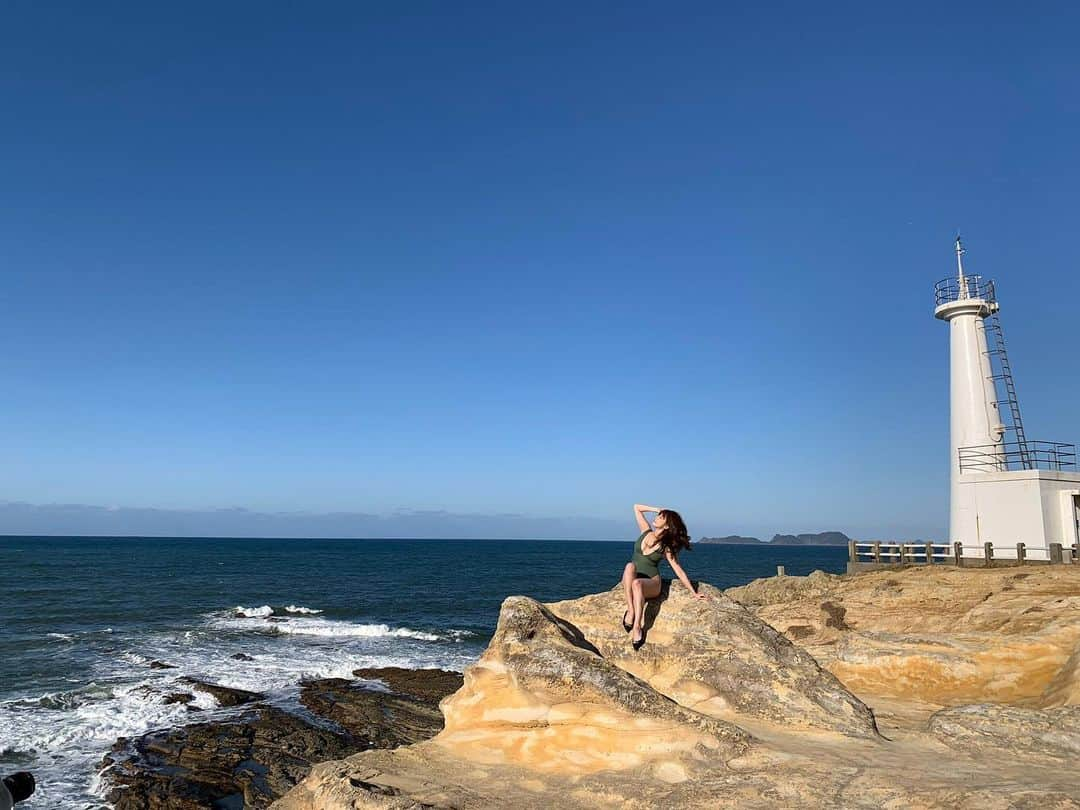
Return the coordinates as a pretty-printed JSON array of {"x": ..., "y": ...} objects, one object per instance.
[{"x": 760, "y": 698}]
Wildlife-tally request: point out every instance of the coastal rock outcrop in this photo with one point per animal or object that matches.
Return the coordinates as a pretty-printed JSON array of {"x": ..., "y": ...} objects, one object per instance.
[{"x": 718, "y": 710}]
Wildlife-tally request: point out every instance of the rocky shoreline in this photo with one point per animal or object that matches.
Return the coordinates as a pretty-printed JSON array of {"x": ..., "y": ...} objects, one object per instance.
[
  {"x": 249, "y": 759},
  {"x": 917, "y": 688}
]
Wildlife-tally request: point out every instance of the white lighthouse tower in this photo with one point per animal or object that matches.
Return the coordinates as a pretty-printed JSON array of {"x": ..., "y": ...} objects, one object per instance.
[{"x": 1005, "y": 489}]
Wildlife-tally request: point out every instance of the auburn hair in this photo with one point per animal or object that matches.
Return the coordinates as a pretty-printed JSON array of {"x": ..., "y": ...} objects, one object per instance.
[{"x": 673, "y": 537}]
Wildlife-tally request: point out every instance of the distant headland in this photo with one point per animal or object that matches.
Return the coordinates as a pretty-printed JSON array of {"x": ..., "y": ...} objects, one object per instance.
[{"x": 819, "y": 539}]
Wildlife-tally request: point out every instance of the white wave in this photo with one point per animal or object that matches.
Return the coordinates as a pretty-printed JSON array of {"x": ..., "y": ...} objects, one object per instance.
[
  {"x": 254, "y": 613},
  {"x": 301, "y": 609},
  {"x": 332, "y": 629},
  {"x": 325, "y": 628},
  {"x": 61, "y": 636}
]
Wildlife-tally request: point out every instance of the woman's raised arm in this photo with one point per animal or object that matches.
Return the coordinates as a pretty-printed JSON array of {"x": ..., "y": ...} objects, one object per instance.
[{"x": 639, "y": 512}]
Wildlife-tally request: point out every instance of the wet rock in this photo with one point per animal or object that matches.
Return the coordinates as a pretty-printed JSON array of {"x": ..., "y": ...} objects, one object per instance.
[
  {"x": 161, "y": 665},
  {"x": 244, "y": 763},
  {"x": 383, "y": 719},
  {"x": 425, "y": 684},
  {"x": 249, "y": 760},
  {"x": 225, "y": 696},
  {"x": 241, "y": 657}
]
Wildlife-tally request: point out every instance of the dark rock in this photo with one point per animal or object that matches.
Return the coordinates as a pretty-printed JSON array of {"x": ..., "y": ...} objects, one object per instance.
[
  {"x": 244, "y": 763},
  {"x": 241, "y": 657},
  {"x": 425, "y": 684},
  {"x": 382, "y": 719},
  {"x": 224, "y": 695},
  {"x": 161, "y": 665},
  {"x": 247, "y": 762}
]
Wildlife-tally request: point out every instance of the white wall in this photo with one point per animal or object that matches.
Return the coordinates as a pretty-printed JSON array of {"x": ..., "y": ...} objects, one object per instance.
[{"x": 1034, "y": 507}]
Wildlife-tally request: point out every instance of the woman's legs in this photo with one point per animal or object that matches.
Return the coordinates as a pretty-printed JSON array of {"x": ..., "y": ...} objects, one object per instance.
[
  {"x": 629, "y": 574},
  {"x": 642, "y": 589}
]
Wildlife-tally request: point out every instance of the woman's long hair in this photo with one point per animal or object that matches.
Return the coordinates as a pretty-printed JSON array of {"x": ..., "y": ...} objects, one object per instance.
[{"x": 673, "y": 537}]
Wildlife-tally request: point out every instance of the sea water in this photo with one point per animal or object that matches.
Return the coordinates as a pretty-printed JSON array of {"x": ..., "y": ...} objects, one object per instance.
[{"x": 81, "y": 620}]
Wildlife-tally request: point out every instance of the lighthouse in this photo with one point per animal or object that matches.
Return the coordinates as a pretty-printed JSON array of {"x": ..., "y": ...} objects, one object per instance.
[{"x": 1004, "y": 488}]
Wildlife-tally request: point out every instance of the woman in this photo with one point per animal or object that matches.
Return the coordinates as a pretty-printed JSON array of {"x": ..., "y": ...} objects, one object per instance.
[{"x": 666, "y": 537}]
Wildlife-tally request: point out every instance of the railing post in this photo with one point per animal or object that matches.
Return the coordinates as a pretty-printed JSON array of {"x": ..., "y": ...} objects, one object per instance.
[
  {"x": 900, "y": 552},
  {"x": 1021, "y": 553},
  {"x": 988, "y": 554},
  {"x": 958, "y": 553},
  {"x": 877, "y": 551},
  {"x": 929, "y": 553},
  {"x": 1056, "y": 556},
  {"x": 852, "y": 554}
]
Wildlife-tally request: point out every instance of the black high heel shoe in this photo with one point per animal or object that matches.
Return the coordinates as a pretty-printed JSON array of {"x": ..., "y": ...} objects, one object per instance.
[
  {"x": 625, "y": 626},
  {"x": 637, "y": 644}
]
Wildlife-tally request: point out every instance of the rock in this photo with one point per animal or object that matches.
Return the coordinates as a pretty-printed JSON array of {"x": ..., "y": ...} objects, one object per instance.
[
  {"x": 1025, "y": 733},
  {"x": 559, "y": 711},
  {"x": 425, "y": 684},
  {"x": 161, "y": 665},
  {"x": 241, "y": 657},
  {"x": 378, "y": 719},
  {"x": 542, "y": 689},
  {"x": 939, "y": 635},
  {"x": 717, "y": 658},
  {"x": 247, "y": 762},
  {"x": 225, "y": 696}
]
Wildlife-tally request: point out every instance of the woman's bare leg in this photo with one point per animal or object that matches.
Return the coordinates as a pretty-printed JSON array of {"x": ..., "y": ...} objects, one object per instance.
[
  {"x": 629, "y": 574},
  {"x": 643, "y": 589}
]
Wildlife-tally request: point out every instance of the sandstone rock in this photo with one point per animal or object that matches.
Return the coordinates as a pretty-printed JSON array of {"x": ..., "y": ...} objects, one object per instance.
[
  {"x": 559, "y": 711},
  {"x": 543, "y": 695},
  {"x": 940, "y": 635},
  {"x": 1050, "y": 734},
  {"x": 716, "y": 657}
]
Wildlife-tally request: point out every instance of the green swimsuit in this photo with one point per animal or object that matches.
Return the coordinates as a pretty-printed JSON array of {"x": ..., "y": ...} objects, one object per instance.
[{"x": 646, "y": 564}]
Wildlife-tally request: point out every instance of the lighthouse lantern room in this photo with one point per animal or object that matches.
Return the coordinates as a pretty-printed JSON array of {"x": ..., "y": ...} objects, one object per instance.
[{"x": 1005, "y": 488}]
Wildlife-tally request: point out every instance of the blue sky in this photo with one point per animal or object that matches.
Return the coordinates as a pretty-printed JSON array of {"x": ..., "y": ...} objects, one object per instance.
[{"x": 538, "y": 262}]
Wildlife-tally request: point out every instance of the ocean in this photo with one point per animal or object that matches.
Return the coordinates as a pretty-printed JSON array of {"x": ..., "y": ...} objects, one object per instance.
[{"x": 83, "y": 618}]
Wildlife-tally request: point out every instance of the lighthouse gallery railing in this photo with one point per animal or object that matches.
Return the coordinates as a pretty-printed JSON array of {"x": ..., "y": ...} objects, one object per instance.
[
  {"x": 1030, "y": 455},
  {"x": 953, "y": 289}
]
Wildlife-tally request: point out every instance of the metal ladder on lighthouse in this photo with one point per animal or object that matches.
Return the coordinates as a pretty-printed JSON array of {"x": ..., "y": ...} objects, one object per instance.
[{"x": 1005, "y": 377}]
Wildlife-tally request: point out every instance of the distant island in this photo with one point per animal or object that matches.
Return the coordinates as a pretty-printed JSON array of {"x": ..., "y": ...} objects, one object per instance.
[{"x": 819, "y": 539}]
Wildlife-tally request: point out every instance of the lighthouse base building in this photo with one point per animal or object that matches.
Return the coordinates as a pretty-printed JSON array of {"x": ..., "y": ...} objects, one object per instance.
[{"x": 1034, "y": 507}]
